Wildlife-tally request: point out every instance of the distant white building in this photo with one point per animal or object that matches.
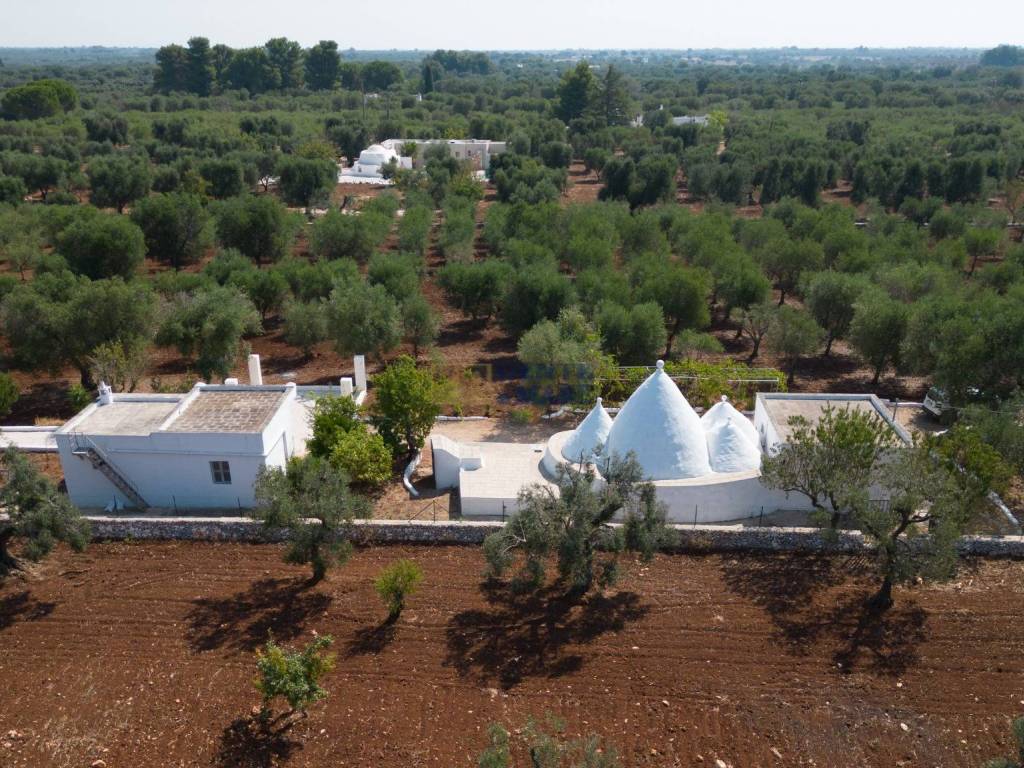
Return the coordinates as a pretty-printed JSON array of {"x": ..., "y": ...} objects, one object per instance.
[
  {"x": 408, "y": 153},
  {"x": 691, "y": 120}
]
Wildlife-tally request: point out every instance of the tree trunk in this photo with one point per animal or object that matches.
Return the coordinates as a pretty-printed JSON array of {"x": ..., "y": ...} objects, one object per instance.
[
  {"x": 974, "y": 265},
  {"x": 828, "y": 345},
  {"x": 782, "y": 297},
  {"x": 881, "y": 601},
  {"x": 671, "y": 339},
  {"x": 8, "y": 562},
  {"x": 877, "y": 376},
  {"x": 85, "y": 376}
]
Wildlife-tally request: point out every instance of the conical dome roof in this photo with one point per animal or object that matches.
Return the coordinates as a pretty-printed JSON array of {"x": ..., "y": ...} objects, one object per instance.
[
  {"x": 589, "y": 436},
  {"x": 722, "y": 412},
  {"x": 731, "y": 450},
  {"x": 662, "y": 430}
]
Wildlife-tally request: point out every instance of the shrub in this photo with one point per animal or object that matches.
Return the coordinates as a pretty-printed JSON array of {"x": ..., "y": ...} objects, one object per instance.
[
  {"x": 520, "y": 416},
  {"x": 396, "y": 583},
  {"x": 293, "y": 675},
  {"x": 332, "y": 417},
  {"x": 8, "y": 394},
  {"x": 363, "y": 456},
  {"x": 78, "y": 397}
]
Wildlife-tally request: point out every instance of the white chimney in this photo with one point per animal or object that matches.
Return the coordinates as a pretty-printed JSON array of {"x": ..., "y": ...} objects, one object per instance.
[
  {"x": 359, "y": 361},
  {"x": 255, "y": 372},
  {"x": 106, "y": 393},
  {"x": 232, "y": 382},
  {"x": 346, "y": 386}
]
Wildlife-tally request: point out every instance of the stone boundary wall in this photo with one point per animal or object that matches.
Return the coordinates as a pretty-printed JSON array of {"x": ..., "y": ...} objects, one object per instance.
[{"x": 701, "y": 538}]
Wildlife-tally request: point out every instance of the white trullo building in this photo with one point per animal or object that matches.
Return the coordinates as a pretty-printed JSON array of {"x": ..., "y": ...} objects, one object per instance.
[{"x": 705, "y": 469}]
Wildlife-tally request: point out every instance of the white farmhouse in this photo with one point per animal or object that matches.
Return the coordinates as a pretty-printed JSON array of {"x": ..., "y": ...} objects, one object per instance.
[{"x": 198, "y": 450}]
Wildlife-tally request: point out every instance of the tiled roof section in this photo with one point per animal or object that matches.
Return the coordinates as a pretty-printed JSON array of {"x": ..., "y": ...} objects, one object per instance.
[{"x": 228, "y": 411}]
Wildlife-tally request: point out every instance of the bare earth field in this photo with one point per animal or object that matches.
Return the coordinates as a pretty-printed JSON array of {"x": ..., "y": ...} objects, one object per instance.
[{"x": 141, "y": 655}]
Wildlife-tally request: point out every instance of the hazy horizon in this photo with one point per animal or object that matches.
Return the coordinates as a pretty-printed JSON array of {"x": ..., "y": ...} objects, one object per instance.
[{"x": 528, "y": 26}]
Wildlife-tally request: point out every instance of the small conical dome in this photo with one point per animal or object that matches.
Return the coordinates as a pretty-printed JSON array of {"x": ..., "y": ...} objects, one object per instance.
[
  {"x": 589, "y": 437},
  {"x": 731, "y": 450},
  {"x": 662, "y": 430},
  {"x": 723, "y": 412}
]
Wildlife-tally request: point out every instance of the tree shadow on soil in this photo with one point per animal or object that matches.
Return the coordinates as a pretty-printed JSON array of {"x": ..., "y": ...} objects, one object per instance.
[
  {"x": 21, "y": 606},
  {"x": 250, "y": 742},
  {"x": 243, "y": 621},
  {"x": 792, "y": 591},
  {"x": 372, "y": 640},
  {"x": 528, "y": 635}
]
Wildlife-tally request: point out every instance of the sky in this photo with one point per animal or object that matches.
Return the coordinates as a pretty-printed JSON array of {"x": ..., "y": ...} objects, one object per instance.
[{"x": 520, "y": 24}]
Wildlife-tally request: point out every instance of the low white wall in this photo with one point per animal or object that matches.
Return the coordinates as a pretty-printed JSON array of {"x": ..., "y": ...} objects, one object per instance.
[
  {"x": 446, "y": 462},
  {"x": 710, "y": 499},
  {"x": 719, "y": 498}
]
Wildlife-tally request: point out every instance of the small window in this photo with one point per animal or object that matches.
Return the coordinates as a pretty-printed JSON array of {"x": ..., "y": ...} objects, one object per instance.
[{"x": 221, "y": 472}]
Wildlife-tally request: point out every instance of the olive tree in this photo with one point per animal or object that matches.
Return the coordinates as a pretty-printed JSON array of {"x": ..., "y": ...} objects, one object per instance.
[
  {"x": 102, "y": 245},
  {"x": 306, "y": 181},
  {"x": 293, "y": 675},
  {"x": 117, "y": 181},
  {"x": 209, "y": 324},
  {"x": 755, "y": 322},
  {"x": 572, "y": 524},
  {"x": 877, "y": 330},
  {"x": 562, "y": 353},
  {"x": 174, "y": 227},
  {"x": 60, "y": 320},
  {"x": 37, "y": 514},
  {"x": 259, "y": 227},
  {"x": 363, "y": 319},
  {"x": 792, "y": 335},
  {"x": 925, "y": 497},
  {"x": 830, "y": 298},
  {"x": 830, "y": 461},
  {"x": 1018, "y": 760},
  {"x": 311, "y": 500}
]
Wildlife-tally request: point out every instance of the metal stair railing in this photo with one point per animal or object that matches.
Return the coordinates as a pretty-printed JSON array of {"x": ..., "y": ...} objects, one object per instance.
[{"x": 85, "y": 448}]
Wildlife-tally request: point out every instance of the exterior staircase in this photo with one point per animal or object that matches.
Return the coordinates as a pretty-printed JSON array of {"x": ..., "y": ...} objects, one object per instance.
[{"x": 87, "y": 450}]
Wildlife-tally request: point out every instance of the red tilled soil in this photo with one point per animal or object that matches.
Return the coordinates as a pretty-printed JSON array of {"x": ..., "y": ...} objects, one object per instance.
[{"x": 142, "y": 655}]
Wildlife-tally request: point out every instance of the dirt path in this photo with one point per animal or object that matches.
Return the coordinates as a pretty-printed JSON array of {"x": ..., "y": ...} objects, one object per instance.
[{"x": 141, "y": 655}]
